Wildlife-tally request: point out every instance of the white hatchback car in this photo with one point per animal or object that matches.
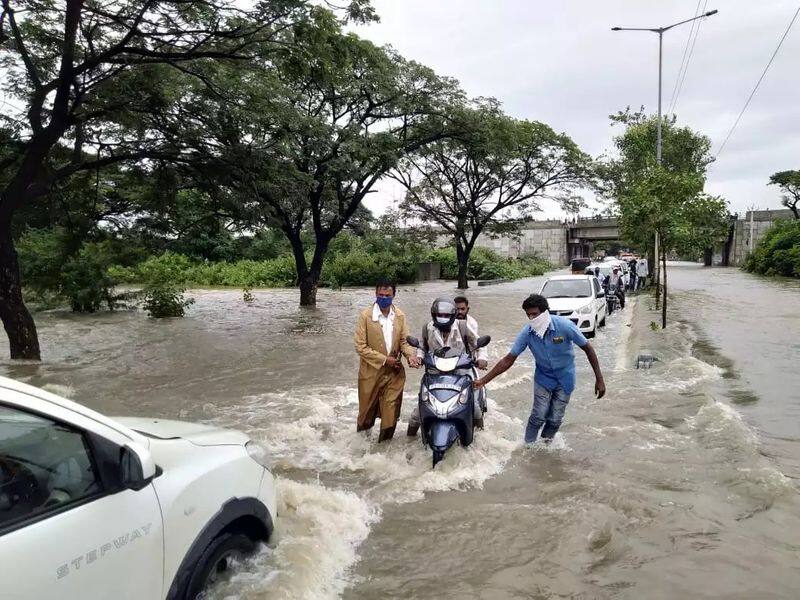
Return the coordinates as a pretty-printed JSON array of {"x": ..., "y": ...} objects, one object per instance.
[
  {"x": 579, "y": 298},
  {"x": 94, "y": 508}
]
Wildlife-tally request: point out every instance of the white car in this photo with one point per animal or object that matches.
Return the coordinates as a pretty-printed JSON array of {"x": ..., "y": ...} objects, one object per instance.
[
  {"x": 579, "y": 298},
  {"x": 608, "y": 265},
  {"x": 93, "y": 508}
]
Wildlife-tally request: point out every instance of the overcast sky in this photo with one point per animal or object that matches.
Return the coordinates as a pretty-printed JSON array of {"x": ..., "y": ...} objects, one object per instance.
[{"x": 560, "y": 63}]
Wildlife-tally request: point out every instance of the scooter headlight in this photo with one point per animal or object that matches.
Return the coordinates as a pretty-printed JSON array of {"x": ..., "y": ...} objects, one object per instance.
[
  {"x": 428, "y": 397},
  {"x": 463, "y": 396}
]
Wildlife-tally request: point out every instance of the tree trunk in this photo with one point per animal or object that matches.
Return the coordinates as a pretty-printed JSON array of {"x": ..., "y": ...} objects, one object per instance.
[
  {"x": 462, "y": 256},
  {"x": 708, "y": 257},
  {"x": 308, "y": 289},
  {"x": 656, "y": 276},
  {"x": 308, "y": 279},
  {"x": 664, "y": 303},
  {"x": 18, "y": 322}
]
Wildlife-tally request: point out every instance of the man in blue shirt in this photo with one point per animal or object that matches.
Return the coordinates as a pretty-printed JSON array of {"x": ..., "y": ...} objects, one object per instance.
[{"x": 550, "y": 340}]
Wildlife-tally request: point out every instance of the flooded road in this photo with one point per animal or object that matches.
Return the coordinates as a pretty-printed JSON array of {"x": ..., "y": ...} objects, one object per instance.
[{"x": 682, "y": 482}]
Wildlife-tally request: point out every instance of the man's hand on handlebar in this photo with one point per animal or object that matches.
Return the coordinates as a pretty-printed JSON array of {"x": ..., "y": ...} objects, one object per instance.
[{"x": 482, "y": 364}]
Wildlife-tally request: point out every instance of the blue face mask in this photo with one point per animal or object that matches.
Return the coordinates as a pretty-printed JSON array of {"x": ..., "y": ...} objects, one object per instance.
[{"x": 383, "y": 302}]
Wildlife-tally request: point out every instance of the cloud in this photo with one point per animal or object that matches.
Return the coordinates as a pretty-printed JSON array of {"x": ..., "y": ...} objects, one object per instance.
[{"x": 559, "y": 62}]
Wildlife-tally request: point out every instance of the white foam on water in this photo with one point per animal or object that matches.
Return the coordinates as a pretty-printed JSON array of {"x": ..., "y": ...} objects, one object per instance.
[
  {"x": 317, "y": 533},
  {"x": 719, "y": 425},
  {"x": 513, "y": 378},
  {"x": 681, "y": 374},
  {"x": 559, "y": 444},
  {"x": 315, "y": 431},
  {"x": 65, "y": 391}
]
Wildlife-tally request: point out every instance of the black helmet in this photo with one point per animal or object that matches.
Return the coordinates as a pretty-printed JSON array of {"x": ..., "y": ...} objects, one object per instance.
[{"x": 443, "y": 313}]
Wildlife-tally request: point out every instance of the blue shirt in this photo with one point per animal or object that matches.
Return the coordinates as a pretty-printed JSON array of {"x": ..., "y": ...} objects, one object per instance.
[{"x": 555, "y": 361}]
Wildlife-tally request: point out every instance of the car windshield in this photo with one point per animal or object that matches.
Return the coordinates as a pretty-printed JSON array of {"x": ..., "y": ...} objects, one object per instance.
[{"x": 567, "y": 288}]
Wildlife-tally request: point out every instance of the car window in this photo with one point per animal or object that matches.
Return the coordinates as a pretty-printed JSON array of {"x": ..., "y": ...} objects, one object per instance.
[
  {"x": 44, "y": 465},
  {"x": 567, "y": 288}
]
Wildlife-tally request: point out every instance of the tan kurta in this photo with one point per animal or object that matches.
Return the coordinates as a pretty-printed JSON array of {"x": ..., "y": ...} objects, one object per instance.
[{"x": 380, "y": 387}]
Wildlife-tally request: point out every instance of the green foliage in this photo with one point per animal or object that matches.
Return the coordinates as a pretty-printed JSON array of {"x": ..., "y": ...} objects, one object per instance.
[
  {"x": 702, "y": 222},
  {"x": 81, "y": 278},
  {"x": 652, "y": 198},
  {"x": 486, "y": 264},
  {"x": 163, "y": 300},
  {"x": 789, "y": 183},
  {"x": 778, "y": 252},
  {"x": 85, "y": 278},
  {"x": 174, "y": 269},
  {"x": 491, "y": 176}
]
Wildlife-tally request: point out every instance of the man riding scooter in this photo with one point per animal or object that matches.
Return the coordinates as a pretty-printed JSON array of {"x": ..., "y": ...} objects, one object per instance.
[
  {"x": 445, "y": 331},
  {"x": 615, "y": 284}
]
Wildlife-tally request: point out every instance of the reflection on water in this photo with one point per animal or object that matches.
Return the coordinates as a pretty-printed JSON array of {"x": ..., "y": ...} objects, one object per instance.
[{"x": 677, "y": 484}]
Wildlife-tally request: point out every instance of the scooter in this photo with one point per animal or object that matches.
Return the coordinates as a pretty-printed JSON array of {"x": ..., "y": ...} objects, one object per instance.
[
  {"x": 447, "y": 399},
  {"x": 612, "y": 301}
]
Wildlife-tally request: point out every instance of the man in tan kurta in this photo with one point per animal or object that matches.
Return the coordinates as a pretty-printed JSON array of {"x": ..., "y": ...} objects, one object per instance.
[{"x": 380, "y": 340}]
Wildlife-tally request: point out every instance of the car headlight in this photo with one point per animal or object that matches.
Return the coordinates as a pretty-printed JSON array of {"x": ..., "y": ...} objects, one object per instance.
[
  {"x": 258, "y": 453},
  {"x": 586, "y": 310}
]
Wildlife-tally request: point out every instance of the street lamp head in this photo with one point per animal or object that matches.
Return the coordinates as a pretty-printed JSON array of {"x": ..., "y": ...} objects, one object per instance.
[
  {"x": 711, "y": 12},
  {"x": 616, "y": 28}
]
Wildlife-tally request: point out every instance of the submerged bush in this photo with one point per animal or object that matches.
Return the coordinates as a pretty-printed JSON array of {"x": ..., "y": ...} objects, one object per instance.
[
  {"x": 164, "y": 300},
  {"x": 54, "y": 272},
  {"x": 353, "y": 261},
  {"x": 487, "y": 264}
]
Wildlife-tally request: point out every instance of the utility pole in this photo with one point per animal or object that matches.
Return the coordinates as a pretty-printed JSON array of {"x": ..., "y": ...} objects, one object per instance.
[{"x": 660, "y": 31}]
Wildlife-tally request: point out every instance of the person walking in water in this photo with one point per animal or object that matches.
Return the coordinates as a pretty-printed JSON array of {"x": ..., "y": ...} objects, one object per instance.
[
  {"x": 380, "y": 341},
  {"x": 550, "y": 340},
  {"x": 462, "y": 314}
]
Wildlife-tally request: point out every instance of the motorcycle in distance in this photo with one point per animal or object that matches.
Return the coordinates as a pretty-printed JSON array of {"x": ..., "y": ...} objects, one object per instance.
[{"x": 447, "y": 399}]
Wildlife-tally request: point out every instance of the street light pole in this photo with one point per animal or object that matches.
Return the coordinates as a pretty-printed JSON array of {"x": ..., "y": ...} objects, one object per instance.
[{"x": 660, "y": 31}]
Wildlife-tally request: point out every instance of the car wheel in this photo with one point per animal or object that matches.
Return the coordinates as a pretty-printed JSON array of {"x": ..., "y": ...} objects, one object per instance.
[
  {"x": 216, "y": 560},
  {"x": 603, "y": 322}
]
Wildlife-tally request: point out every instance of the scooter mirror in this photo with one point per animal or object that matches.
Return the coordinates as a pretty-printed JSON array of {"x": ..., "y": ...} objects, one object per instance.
[
  {"x": 412, "y": 341},
  {"x": 483, "y": 341}
]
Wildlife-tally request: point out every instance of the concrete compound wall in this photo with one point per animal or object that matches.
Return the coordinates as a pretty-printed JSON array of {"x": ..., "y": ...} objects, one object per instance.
[
  {"x": 742, "y": 244},
  {"x": 545, "y": 239}
]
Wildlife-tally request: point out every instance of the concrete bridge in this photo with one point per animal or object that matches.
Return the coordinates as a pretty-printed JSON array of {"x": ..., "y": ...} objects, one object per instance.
[
  {"x": 554, "y": 240},
  {"x": 561, "y": 241}
]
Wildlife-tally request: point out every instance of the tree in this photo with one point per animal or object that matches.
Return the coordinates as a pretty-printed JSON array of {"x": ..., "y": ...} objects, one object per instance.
[
  {"x": 702, "y": 222},
  {"x": 652, "y": 198},
  {"x": 91, "y": 74},
  {"x": 789, "y": 183},
  {"x": 304, "y": 143},
  {"x": 488, "y": 178}
]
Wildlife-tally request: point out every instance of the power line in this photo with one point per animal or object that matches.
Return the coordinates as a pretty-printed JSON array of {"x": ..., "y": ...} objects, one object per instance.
[
  {"x": 758, "y": 83},
  {"x": 688, "y": 59},
  {"x": 683, "y": 58}
]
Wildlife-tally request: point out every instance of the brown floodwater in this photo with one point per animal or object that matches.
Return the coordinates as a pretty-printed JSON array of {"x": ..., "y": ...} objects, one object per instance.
[{"x": 682, "y": 482}]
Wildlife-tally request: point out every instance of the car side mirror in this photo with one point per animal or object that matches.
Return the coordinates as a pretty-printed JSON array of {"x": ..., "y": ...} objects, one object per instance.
[
  {"x": 483, "y": 341},
  {"x": 136, "y": 465},
  {"x": 412, "y": 341},
  {"x": 601, "y": 294}
]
